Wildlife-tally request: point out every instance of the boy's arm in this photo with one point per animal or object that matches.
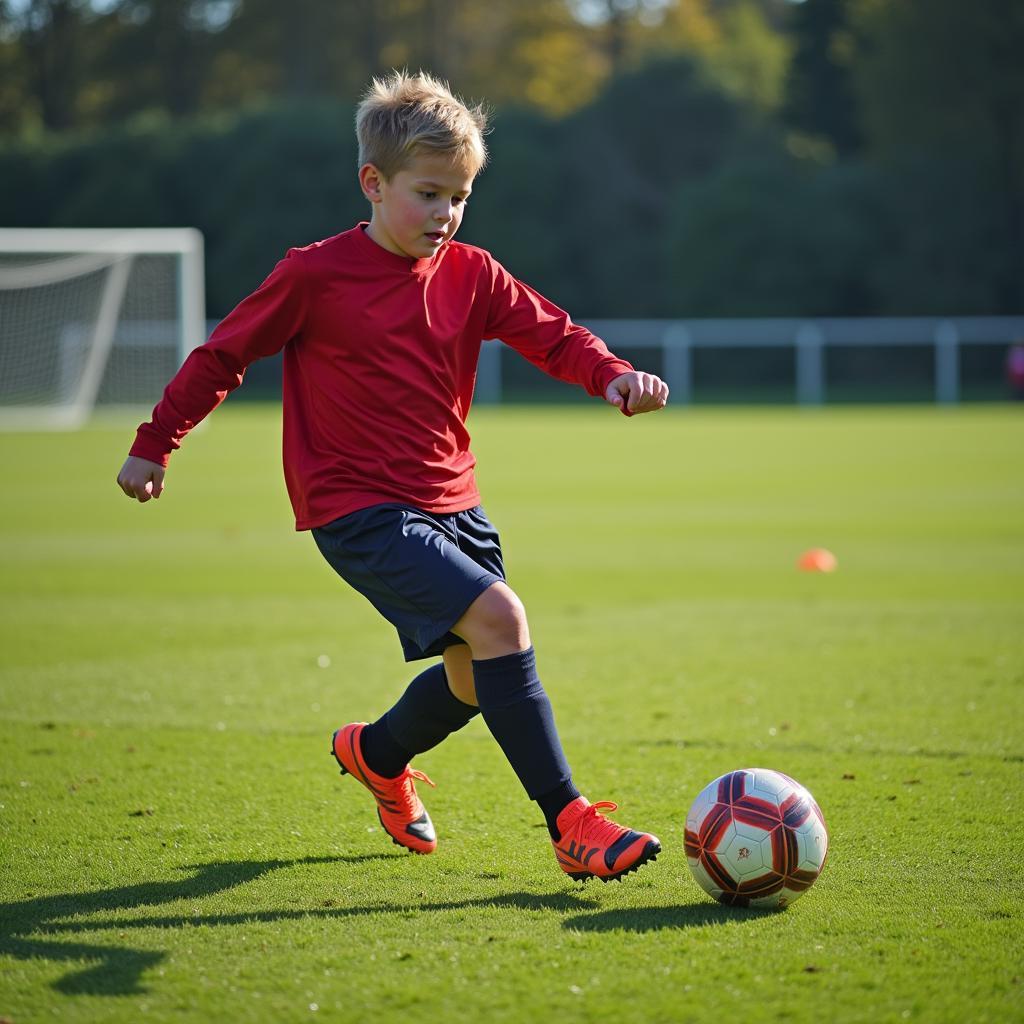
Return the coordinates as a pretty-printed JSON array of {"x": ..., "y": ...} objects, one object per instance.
[
  {"x": 258, "y": 326},
  {"x": 546, "y": 336}
]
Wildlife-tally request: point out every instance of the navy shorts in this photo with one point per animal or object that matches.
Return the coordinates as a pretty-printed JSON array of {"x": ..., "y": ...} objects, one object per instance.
[{"x": 420, "y": 570}]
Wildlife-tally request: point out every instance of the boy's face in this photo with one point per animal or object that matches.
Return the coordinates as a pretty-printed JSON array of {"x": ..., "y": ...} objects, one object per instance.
[{"x": 420, "y": 207}]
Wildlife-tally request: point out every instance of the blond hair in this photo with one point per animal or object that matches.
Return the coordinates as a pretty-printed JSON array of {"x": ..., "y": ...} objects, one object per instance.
[{"x": 403, "y": 115}]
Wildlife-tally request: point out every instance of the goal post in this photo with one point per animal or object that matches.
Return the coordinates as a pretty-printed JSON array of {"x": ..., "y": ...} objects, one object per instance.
[{"x": 94, "y": 317}]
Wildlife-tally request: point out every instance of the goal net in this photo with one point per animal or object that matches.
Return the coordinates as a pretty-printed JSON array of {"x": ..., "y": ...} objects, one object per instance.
[{"x": 92, "y": 317}]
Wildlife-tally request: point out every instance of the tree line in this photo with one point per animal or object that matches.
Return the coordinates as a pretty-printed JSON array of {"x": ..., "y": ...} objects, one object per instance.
[
  {"x": 78, "y": 63},
  {"x": 832, "y": 157}
]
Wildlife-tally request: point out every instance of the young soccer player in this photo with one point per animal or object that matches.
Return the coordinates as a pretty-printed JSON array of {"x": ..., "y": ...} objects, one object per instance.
[{"x": 381, "y": 328}]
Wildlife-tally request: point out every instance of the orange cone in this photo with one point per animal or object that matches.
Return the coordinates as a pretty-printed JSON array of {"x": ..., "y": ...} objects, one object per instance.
[{"x": 817, "y": 560}]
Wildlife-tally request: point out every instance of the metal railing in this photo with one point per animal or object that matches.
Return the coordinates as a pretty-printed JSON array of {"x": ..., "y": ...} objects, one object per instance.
[{"x": 809, "y": 338}]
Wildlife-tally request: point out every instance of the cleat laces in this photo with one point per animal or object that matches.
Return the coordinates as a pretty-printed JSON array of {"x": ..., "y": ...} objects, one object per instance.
[
  {"x": 401, "y": 792},
  {"x": 596, "y": 827}
]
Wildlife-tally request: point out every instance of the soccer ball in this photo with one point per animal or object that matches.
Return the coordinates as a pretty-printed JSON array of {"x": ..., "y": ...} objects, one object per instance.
[{"x": 755, "y": 838}]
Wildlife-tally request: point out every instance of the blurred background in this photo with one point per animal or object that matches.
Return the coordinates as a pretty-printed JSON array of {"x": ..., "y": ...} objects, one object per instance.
[{"x": 652, "y": 160}]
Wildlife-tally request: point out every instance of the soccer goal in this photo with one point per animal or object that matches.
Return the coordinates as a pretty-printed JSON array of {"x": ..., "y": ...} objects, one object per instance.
[{"x": 94, "y": 316}]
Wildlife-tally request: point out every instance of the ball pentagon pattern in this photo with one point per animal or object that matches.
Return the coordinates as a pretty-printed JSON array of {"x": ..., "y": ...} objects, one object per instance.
[{"x": 755, "y": 837}]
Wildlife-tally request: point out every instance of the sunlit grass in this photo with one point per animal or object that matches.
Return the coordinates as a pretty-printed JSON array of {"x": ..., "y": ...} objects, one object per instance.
[{"x": 175, "y": 842}]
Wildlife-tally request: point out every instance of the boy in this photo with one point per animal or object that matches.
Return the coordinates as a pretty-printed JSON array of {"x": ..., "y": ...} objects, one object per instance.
[{"x": 381, "y": 328}]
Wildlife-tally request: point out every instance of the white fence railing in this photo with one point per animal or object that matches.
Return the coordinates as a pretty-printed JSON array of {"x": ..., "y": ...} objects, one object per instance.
[{"x": 678, "y": 339}]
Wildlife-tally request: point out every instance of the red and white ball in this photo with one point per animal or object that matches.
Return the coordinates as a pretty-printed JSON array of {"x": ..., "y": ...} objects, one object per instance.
[{"x": 755, "y": 838}]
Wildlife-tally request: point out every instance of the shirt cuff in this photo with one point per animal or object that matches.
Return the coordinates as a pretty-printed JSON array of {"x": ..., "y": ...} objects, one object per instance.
[
  {"x": 151, "y": 449},
  {"x": 608, "y": 372}
]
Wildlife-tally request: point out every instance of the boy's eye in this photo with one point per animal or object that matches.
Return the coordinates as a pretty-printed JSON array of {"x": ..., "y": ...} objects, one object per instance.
[{"x": 430, "y": 196}]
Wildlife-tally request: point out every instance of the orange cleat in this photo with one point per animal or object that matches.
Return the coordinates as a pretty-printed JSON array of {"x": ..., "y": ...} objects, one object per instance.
[
  {"x": 594, "y": 847},
  {"x": 400, "y": 810}
]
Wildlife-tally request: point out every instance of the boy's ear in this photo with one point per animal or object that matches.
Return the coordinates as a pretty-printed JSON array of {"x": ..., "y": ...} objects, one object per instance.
[{"x": 370, "y": 181}]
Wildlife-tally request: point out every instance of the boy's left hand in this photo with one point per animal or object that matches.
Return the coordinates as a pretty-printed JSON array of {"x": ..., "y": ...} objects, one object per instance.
[{"x": 637, "y": 392}]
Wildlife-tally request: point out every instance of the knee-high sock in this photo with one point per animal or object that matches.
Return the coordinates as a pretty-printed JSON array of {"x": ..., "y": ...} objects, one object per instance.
[
  {"x": 518, "y": 713},
  {"x": 423, "y": 716}
]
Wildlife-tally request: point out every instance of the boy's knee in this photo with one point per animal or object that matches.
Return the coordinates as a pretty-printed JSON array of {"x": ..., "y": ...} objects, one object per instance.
[
  {"x": 458, "y": 667},
  {"x": 495, "y": 623}
]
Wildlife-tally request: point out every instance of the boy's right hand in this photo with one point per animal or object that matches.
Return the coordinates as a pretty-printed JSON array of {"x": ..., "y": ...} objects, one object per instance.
[{"x": 140, "y": 478}]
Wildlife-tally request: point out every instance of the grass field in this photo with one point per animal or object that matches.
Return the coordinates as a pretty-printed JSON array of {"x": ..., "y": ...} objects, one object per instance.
[{"x": 176, "y": 845}]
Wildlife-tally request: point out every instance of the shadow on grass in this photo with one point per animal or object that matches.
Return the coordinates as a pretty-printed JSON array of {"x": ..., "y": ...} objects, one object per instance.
[
  {"x": 120, "y": 969},
  {"x": 38, "y": 928},
  {"x": 560, "y": 902},
  {"x": 652, "y": 919}
]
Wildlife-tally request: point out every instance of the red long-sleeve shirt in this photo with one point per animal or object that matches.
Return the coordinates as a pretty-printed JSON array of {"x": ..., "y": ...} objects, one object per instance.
[{"x": 380, "y": 359}]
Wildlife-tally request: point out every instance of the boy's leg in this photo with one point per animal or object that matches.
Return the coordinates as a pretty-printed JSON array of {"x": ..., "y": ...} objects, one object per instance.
[
  {"x": 379, "y": 754},
  {"x": 411, "y": 566},
  {"x": 513, "y": 701},
  {"x": 458, "y": 667},
  {"x": 426, "y": 713},
  {"x": 518, "y": 713},
  {"x": 424, "y": 573}
]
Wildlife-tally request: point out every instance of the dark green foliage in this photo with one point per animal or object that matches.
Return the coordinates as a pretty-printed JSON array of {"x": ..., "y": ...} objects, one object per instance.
[
  {"x": 651, "y": 131},
  {"x": 279, "y": 178},
  {"x": 942, "y": 91},
  {"x": 893, "y": 183},
  {"x": 820, "y": 92},
  {"x": 949, "y": 247},
  {"x": 254, "y": 184},
  {"x": 518, "y": 202},
  {"x": 774, "y": 237}
]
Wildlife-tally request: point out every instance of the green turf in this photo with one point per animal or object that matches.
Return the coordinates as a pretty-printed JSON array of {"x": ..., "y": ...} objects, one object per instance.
[{"x": 175, "y": 844}]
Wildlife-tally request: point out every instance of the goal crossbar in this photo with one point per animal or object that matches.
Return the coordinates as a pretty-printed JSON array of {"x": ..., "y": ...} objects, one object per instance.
[
  {"x": 56, "y": 342},
  {"x": 101, "y": 240}
]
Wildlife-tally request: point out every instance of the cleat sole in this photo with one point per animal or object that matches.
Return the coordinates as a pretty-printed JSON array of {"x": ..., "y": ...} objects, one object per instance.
[
  {"x": 402, "y": 846},
  {"x": 649, "y": 854},
  {"x": 628, "y": 871}
]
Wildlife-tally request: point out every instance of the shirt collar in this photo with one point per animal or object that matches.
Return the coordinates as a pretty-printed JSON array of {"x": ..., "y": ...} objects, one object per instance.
[{"x": 391, "y": 259}]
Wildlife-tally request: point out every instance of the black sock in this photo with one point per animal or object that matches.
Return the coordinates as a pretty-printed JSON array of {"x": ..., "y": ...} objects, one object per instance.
[
  {"x": 518, "y": 713},
  {"x": 552, "y": 804},
  {"x": 424, "y": 715}
]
